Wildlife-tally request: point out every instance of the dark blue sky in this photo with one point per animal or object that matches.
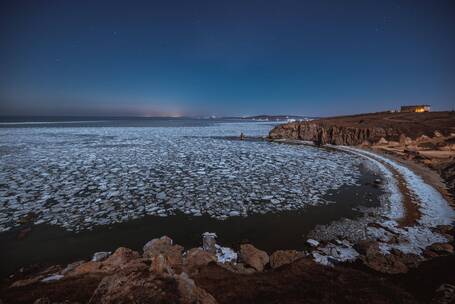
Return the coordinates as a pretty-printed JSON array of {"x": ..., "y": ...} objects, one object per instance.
[{"x": 224, "y": 57}]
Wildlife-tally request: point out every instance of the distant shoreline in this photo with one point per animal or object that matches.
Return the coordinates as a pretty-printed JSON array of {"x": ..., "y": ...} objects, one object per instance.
[{"x": 49, "y": 122}]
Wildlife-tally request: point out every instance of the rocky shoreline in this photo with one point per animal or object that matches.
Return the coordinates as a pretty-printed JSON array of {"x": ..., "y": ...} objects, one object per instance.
[{"x": 167, "y": 273}]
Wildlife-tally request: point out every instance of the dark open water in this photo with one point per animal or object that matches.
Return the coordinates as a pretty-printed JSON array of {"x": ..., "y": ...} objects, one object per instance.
[{"x": 48, "y": 245}]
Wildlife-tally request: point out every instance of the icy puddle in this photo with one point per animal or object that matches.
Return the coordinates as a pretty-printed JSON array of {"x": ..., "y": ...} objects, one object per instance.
[{"x": 80, "y": 178}]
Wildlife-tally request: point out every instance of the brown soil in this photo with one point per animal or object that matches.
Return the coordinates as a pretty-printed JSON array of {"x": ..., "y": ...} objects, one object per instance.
[
  {"x": 425, "y": 279},
  {"x": 411, "y": 124},
  {"x": 301, "y": 282},
  {"x": 76, "y": 289},
  {"x": 412, "y": 213}
]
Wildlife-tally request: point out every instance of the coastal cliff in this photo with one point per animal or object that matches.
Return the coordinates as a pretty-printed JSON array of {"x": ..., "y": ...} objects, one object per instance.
[
  {"x": 426, "y": 138},
  {"x": 368, "y": 128},
  {"x": 321, "y": 133}
]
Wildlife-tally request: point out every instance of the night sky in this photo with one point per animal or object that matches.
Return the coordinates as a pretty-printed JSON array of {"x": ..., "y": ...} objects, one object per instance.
[{"x": 186, "y": 57}]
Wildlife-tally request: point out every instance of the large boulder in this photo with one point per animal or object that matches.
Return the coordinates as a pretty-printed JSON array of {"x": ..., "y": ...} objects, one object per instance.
[
  {"x": 382, "y": 141},
  {"x": 135, "y": 287},
  {"x": 197, "y": 258},
  {"x": 404, "y": 140},
  {"x": 440, "y": 249},
  {"x": 144, "y": 287},
  {"x": 87, "y": 267},
  {"x": 70, "y": 267},
  {"x": 157, "y": 246},
  {"x": 392, "y": 263},
  {"x": 160, "y": 265},
  {"x": 190, "y": 293},
  {"x": 209, "y": 242},
  {"x": 237, "y": 268},
  {"x": 283, "y": 257},
  {"x": 164, "y": 246},
  {"x": 253, "y": 257},
  {"x": 120, "y": 258}
]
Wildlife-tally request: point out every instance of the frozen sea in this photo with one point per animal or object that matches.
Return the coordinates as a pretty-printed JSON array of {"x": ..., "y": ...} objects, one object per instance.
[{"x": 131, "y": 180}]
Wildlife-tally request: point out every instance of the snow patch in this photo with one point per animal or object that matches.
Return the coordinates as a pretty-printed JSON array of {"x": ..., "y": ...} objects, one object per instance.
[
  {"x": 410, "y": 240},
  {"x": 52, "y": 278},
  {"x": 100, "y": 256},
  {"x": 312, "y": 242},
  {"x": 225, "y": 254},
  {"x": 333, "y": 253}
]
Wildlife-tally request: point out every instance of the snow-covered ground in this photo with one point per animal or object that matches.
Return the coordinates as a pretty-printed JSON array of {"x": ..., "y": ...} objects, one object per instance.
[
  {"x": 78, "y": 178},
  {"x": 434, "y": 210}
]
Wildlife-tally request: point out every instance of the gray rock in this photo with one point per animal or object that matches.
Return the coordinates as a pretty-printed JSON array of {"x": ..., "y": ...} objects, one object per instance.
[
  {"x": 209, "y": 242},
  {"x": 100, "y": 256}
]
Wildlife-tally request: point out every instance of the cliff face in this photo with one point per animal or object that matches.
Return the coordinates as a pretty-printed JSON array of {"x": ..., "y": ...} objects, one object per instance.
[
  {"x": 356, "y": 129},
  {"x": 322, "y": 133},
  {"x": 427, "y": 138}
]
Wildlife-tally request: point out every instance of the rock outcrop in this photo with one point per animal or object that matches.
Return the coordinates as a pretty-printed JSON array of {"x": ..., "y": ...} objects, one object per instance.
[
  {"x": 283, "y": 257},
  {"x": 427, "y": 138},
  {"x": 209, "y": 242},
  {"x": 368, "y": 128},
  {"x": 393, "y": 263},
  {"x": 127, "y": 276},
  {"x": 322, "y": 133},
  {"x": 253, "y": 257},
  {"x": 197, "y": 258},
  {"x": 163, "y": 253}
]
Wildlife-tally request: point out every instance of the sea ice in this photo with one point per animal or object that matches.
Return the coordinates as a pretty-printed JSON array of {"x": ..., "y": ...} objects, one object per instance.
[{"x": 78, "y": 178}]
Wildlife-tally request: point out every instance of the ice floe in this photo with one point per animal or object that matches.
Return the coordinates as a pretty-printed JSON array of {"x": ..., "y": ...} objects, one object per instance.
[
  {"x": 332, "y": 253},
  {"x": 81, "y": 177},
  {"x": 225, "y": 254}
]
